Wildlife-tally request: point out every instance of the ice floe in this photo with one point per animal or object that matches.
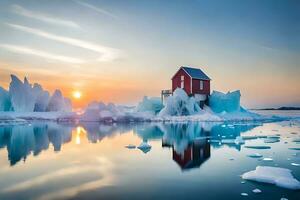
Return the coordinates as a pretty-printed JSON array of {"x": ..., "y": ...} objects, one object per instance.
[
  {"x": 144, "y": 147},
  {"x": 295, "y": 164},
  {"x": 255, "y": 155},
  {"x": 281, "y": 177},
  {"x": 256, "y": 191},
  {"x": 257, "y": 147}
]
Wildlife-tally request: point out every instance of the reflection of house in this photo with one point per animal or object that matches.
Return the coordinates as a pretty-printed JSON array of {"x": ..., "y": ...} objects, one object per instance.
[{"x": 193, "y": 156}]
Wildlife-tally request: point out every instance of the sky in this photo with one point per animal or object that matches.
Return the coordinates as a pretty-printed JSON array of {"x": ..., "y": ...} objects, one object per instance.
[{"x": 119, "y": 51}]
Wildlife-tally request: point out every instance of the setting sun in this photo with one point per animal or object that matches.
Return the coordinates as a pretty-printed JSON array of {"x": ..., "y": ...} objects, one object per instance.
[{"x": 77, "y": 94}]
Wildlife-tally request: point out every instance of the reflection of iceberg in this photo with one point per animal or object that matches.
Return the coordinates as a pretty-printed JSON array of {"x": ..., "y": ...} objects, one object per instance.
[
  {"x": 96, "y": 132},
  {"x": 229, "y": 134},
  {"x": 21, "y": 140}
]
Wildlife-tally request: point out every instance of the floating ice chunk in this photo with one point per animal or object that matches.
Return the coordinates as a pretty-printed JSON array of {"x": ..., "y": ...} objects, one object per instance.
[
  {"x": 271, "y": 140},
  {"x": 244, "y": 194},
  {"x": 145, "y": 147},
  {"x": 257, "y": 147},
  {"x": 283, "y": 198},
  {"x": 255, "y": 155},
  {"x": 268, "y": 159},
  {"x": 295, "y": 148},
  {"x": 256, "y": 191},
  {"x": 220, "y": 102},
  {"x": 249, "y": 137},
  {"x": 295, "y": 164},
  {"x": 281, "y": 177},
  {"x": 130, "y": 146}
]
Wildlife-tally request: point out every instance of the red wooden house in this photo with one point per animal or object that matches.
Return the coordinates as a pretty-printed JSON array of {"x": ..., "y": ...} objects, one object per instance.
[{"x": 194, "y": 81}]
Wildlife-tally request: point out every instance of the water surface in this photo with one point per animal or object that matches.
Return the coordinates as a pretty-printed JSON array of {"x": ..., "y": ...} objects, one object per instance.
[{"x": 46, "y": 160}]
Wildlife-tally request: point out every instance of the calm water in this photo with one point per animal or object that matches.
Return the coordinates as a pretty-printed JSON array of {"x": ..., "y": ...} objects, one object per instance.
[{"x": 187, "y": 161}]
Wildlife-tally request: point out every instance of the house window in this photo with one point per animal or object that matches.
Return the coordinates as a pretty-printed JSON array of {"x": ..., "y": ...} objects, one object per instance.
[
  {"x": 201, "y": 85},
  {"x": 182, "y": 82}
]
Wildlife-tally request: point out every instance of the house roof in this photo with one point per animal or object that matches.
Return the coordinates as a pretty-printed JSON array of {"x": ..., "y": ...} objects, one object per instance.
[{"x": 195, "y": 73}]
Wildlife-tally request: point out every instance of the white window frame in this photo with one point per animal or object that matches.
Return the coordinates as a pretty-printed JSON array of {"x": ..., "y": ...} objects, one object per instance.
[
  {"x": 182, "y": 81},
  {"x": 201, "y": 85}
]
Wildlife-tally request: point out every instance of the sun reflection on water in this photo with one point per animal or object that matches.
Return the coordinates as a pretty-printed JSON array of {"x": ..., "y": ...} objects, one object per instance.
[{"x": 80, "y": 132}]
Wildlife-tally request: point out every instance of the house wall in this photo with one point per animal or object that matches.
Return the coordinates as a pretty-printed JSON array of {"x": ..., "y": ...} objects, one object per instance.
[
  {"x": 196, "y": 87},
  {"x": 176, "y": 81}
]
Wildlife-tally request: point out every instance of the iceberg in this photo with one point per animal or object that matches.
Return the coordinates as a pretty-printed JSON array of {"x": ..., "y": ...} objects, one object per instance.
[
  {"x": 98, "y": 111},
  {"x": 281, "y": 177},
  {"x": 58, "y": 103},
  {"x": 152, "y": 104},
  {"x": 220, "y": 102},
  {"x": 42, "y": 99},
  {"x": 5, "y": 103},
  {"x": 23, "y": 95},
  {"x": 180, "y": 104}
]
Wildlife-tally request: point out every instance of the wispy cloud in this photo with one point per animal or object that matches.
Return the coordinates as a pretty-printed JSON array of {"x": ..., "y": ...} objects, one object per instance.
[
  {"x": 39, "y": 53},
  {"x": 39, "y": 16},
  {"x": 97, "y": 9},
  {"x": 105, "y": 53}
]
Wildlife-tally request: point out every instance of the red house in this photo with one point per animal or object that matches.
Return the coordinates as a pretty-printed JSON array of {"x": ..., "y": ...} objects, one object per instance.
[{"x": 194, "y": 81}]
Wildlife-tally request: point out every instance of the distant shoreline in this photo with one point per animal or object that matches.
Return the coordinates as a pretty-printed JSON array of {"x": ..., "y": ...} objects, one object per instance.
[{"x": 281, "y": 108}]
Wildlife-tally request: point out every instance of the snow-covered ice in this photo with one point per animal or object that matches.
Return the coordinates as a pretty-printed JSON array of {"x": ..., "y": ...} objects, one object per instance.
[{"x": 281, "y": 177}]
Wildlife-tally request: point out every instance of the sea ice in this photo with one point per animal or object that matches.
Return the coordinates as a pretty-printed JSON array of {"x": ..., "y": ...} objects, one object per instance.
[
  {"x": 244, "y": 194},
  {"x": 281, "y": 177}
]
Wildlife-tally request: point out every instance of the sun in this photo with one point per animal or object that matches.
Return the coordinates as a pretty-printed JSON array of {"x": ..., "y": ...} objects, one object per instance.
[{"x": 77, "y": 94}]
